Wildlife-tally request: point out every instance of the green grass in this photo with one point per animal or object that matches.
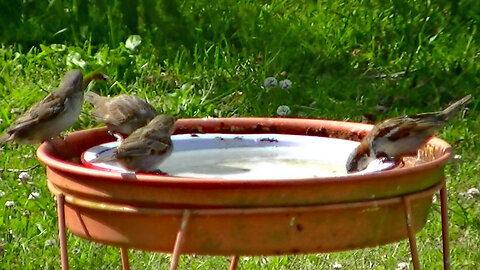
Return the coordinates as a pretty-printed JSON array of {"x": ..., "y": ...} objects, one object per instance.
[{"x": 202, "y": 58}]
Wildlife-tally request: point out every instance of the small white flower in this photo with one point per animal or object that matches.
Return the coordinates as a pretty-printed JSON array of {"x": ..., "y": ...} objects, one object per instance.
[
  {"x": 9, "y": 204},
  {"x": 50, "y": 242},
  {"x": 473, "y": 192},
  {"x": 76, "y": 251},
  {"x": 26, "y": 213},
  {"x": 2, "y": 193},
  {"x": 133, "y": 42},
  {"x": 402, "y": 266},
  {"x": 33, "y": 196},
  {"x": 337, "y": 266},
  {"x": 283, "y": 110},
  {"x": 285, "y": 84},
  {"x": 24, "y": 177},
  {"x": 270, "y": 82},
  {"x": 15, "y": 111}
]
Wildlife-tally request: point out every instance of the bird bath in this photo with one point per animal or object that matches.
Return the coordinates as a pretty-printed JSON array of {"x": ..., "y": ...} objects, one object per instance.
[
  {"x": 247, "y": 156},
  {"x": 245, "y": 186}
]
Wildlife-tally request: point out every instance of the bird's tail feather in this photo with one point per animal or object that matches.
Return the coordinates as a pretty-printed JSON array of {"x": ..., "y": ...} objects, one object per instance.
[
  {"x": 5, "y": 138},
  {"x": 95, "y": 76},
  {"x": 104, "y": 157},
  {"x": 450, "y": 112}
]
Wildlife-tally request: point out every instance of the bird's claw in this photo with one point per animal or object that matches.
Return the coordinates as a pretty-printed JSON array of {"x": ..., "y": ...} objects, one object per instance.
[
  {"x": 158, "y": 171},
  {"x": 116, "y": 135},
  {"x": 397, "y": 162}
]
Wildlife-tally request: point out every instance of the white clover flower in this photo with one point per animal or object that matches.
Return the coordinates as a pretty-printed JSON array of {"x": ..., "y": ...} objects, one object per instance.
[
  {"x": 285, "y": 84},
  {"x": 50, "y": 242},
  {"x": 402, "y": 266},
  {"x": 15, "y": 111},
  {"x": 33, "y": 196},
  {"x": 283, "y": 110},
  {"x": 24, "y": 177},
  {"x": 473, "y": 192},
  {"x": 337, "y": 266},
  {"x": 133, "y": 42},
  {"x": 2, "y": 193},
  {"x": 270, "y": 82},
  {"x": 9, "y": 204}
]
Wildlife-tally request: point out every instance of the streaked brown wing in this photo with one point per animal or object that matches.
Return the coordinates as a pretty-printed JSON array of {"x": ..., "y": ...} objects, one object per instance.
[
  {"x": 382, "y": 129},
  {"x": 47, "y": 108},
  {"x": 398, "y": 128},
  {"x": 140, "y": 148}
]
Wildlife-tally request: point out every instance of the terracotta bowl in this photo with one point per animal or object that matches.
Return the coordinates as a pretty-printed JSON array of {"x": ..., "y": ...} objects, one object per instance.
[{"x": 244, "y": 216}]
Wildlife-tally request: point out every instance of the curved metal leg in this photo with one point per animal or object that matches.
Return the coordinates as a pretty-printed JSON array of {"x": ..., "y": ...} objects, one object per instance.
[
  {"x": 179, "y": 240},
  {"x": 444, "y": 211},
  {"x": 61, "y": 230},
  {"x": 125, "y": 263},
  {"x": 411, "y": 233},
  {"x": 233, "y": 262}
]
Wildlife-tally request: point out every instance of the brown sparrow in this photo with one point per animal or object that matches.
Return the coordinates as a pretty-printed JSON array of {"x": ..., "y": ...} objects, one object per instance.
[
  {"x": 56, "y": 112},
  {"x": 122, "y": 114},
  {"x": 146, "y": 147},
  {"x": 401, "y": 136}
]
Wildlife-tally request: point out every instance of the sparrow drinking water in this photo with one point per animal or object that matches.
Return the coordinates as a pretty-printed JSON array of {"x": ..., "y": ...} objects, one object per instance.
[
  {"x": 401, "y": 136},
  {"x": 146, "y": 147}
]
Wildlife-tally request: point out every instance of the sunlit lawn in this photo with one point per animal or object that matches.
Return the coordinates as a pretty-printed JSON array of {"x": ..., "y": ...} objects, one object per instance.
[{"x": 203, "y": 58}]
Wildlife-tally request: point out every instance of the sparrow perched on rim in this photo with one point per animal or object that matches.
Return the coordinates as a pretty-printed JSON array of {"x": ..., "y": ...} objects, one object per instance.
[
  {"x": 401, "y": 136},
  {"x": 121, "y": 114},
  {"x": 53, "y": 114},
  {"x": 146, "y": 147}
]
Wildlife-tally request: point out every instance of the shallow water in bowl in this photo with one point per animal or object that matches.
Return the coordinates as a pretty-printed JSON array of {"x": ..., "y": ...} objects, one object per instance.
[
  {"x": 250, "y": 156},
  {"x": 249, "y": 163}
]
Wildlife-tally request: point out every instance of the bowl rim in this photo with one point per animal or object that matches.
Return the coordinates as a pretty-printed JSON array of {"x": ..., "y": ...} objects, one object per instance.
[
  {"x": 128, "y": 208},
  {"x": 55, "y": 163}
]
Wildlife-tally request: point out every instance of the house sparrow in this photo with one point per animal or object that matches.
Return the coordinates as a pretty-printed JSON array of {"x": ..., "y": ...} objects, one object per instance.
[
  {"x": 402, "y": 136},
  {"x": 146, "y": 147},
  {"x": 54, "y": 113},
  {"x": 122, "y": 114}
]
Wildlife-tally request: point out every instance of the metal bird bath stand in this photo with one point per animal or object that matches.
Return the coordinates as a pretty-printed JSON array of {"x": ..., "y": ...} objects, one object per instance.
[{"x": 235, "y": 217}]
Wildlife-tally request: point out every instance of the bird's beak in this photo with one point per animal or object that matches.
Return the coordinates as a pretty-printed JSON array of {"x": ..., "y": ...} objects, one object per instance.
[{"x": 95, "y": 76}]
